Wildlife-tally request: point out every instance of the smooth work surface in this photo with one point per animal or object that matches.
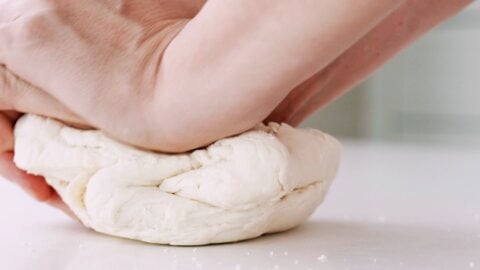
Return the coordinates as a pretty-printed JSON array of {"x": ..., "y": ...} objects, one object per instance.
[{"x": 391, "y": 207}]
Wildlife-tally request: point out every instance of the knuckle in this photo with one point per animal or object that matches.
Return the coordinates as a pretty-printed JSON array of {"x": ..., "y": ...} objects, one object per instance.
[{"x": 34, "y": 26}]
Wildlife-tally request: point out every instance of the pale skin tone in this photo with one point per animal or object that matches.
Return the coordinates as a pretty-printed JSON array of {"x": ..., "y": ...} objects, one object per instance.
[{"x": 171, "y": 75}]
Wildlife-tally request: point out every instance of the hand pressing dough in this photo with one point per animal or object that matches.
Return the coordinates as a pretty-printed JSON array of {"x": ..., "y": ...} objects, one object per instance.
[{"x": 266, "y": 180}]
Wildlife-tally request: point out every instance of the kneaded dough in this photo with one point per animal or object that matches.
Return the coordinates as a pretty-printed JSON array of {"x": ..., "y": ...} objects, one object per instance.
[{"x": 266, "y": 180}]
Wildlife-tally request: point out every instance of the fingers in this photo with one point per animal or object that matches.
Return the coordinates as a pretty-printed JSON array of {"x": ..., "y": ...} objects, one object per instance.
[
  {"x": 34, "y": 185},
  {"x": 18, "y": 95},
  {"x": 12, "y": 115},
  {"x": 6, "y": 134}
]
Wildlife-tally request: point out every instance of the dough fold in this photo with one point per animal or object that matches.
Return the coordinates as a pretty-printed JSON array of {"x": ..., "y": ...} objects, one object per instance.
[{"x": 266, "y": 180}]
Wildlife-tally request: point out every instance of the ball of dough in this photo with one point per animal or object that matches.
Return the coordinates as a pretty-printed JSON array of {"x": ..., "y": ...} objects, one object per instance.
[{"x": 266, "y": 180}]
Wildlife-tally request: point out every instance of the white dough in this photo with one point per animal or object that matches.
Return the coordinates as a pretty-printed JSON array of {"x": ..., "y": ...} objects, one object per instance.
[{"x": 266, "y": 180}]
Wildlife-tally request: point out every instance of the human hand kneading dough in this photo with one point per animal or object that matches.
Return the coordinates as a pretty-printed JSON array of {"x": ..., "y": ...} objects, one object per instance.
[{"x": 174, "y": 75}]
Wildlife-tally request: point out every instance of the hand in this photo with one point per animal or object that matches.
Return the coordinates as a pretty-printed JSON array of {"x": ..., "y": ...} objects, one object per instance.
[
  {"x": 15, "y": 94},
  {"x": 112, "y": 66},
  {"x": 33, "y": 185},
  {"x": 98, "y": 58},
  {"x": 186, "y": 85},
  {"x": 161, "y": 75},
  {"x": 397, "y": 31}
]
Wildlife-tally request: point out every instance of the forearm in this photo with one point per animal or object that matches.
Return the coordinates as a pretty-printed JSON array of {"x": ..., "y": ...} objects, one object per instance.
[
  {"x": 242, "y": 48},
  {"x": 396, "y": 32}
]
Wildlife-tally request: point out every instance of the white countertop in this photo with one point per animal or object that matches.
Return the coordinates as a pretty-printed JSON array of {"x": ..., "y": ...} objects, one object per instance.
[{"x": 391, "y": 207}]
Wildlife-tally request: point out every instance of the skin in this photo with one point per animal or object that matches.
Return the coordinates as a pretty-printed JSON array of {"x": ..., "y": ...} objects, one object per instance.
[{"x": 187, "y": 78}]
